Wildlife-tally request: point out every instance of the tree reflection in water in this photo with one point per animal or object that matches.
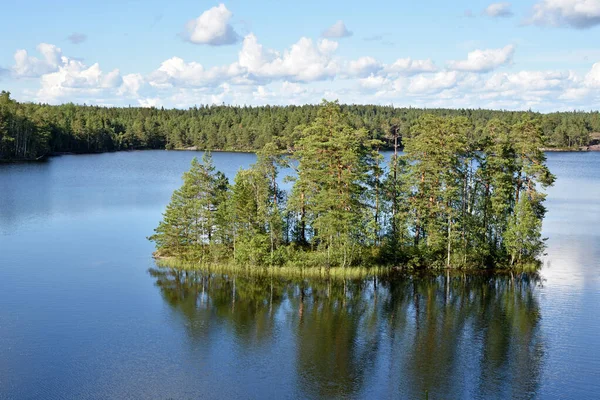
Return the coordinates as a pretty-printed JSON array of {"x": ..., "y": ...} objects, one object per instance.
[{"x": 402, "y": 336}]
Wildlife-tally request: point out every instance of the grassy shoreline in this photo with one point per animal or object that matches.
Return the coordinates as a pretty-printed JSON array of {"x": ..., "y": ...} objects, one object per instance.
[
  {"x": 356, "y": 272},
  {"x": 279, "y": 271}
]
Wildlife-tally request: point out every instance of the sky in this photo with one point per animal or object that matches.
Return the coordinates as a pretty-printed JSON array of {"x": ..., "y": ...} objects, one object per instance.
[{"x": 542, "y": 55}]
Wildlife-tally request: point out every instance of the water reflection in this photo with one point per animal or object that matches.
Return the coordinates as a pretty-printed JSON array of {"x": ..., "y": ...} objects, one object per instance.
[{"x": 404, "y": 336}]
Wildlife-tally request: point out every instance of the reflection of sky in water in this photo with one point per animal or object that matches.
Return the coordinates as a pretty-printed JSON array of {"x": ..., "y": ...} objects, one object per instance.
[
  {"x": 570, "y": 297},
  {"x": 572, "y": 224},
  {"x": 574, "y": 200}
]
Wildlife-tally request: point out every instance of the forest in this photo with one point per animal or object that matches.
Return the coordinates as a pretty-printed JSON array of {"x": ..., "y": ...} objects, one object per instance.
[
  {"x": 455, "y": 198},
  {"x": 31, "y": 131}
]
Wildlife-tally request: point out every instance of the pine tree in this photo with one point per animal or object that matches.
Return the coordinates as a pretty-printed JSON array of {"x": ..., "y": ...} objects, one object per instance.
[
  {"x": 188, "y": 225},
  {"x": 257, "y": 209},
  {"x": 434, "y": 154},
  {"x": 329, "y": 194},
  {"x": 522, "y": 237},
  {"x": 461, "y": 196}
]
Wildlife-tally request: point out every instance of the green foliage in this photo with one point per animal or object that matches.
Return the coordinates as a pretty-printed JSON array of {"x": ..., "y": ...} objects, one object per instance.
[
  {"x": 453, "y": 200},
  {"x": 522, "y": 237},
  {"x": 192, "y": 224},
  {"x": 29, "y": 131},
  {"x": 329, "y": 196}
]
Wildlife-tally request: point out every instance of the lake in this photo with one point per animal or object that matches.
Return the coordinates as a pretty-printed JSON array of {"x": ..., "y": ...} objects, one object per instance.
[{"x": 85, "y": 312}]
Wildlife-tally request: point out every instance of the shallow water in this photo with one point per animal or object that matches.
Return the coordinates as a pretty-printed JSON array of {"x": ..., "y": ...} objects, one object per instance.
[{"x": 84, "y": 313}]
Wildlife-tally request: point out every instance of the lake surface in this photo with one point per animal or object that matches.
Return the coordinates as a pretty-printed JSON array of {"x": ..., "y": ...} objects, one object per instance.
[{"x": 85, "y": 313}]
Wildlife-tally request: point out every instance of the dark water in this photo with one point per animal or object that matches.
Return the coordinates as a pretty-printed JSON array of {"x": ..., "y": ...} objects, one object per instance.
[{"x": 84, "y": 313}]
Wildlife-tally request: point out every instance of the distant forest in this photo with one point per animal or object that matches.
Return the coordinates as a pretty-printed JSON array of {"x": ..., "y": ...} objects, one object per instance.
[{"x": 30, "y": 131}]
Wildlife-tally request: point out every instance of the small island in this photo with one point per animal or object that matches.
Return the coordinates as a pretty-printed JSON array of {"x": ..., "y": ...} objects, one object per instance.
[{"x": 453, "y": 199}]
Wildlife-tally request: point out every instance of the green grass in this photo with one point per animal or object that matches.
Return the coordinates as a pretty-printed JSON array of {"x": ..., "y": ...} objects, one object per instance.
[{"x": 284, "y": 271}]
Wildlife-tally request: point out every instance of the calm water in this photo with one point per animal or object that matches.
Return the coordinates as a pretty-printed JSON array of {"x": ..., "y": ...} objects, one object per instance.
[{"x": 84, "y": 313}]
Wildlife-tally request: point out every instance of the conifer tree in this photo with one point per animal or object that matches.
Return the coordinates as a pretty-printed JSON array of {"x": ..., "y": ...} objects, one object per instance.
[
  {"x": 522, "y": 237},
  {"x": 257, "y": 209},
  {"x": 329, "y": 194},
  {"x": 188, "y": 225},
  {"x": 434, "y": 153},
  {"x": 457, "y": 198}
]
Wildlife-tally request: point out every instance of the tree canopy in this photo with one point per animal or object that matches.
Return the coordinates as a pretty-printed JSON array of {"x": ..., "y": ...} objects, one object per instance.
[
  {"x": 456, "y": 198},
  {"x": 29, "y": 131}
]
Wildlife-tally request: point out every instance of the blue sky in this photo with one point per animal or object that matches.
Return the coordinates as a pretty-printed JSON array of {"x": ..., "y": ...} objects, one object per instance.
[{"x": 538, "y": 54}]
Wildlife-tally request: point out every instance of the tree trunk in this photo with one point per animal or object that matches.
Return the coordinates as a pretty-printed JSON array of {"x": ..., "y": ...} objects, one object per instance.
[{"x": 449, "y": 241}]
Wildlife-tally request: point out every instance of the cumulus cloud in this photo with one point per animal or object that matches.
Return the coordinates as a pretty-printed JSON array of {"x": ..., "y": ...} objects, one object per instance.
[
  {"x": 75, "y": 78},
  {"x": 212, "y": 27},
  {"x": 337, "y": 30},
  {"x": 433, "y": 83},
  {"x": 308, "y": 71},
  {"x": 374, "y": 82},
  {"x": 498, "y": 10},
  {"x": 131, "y": 84},
  {"x": 293, "y": 89},
  {"x": 175, "y": 72},
  {"x": 409, "y": 66},
  {"x": 77, "y": 38},
  {"x": 532, "y": 81},
  {"x": 484, "y": 60},
  {"x": 592, "y": 78},
  {"x": 579, "y": 14},
  {"x": 150, "y": 102},
  {"x": 29, "y": 66},
  {"x": 303, "y": 61},
  {"x": 363, "y": 66},
  {"x": 575, "y": 93}
]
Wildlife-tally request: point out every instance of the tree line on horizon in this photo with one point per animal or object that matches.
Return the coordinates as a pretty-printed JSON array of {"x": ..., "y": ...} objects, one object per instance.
[
  {"x": 30, "y": 131},
  {"x": 455, "y": 198}
]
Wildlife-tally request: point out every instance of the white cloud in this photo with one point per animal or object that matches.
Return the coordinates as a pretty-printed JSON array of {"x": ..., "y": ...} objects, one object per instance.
[
  {"x": 150, "y": 102},
  {"x": 409, "y": 66},
  {"x": 262, "y": 93},
  {"x": 576, "y": 93},
  {"x": 74, "y": 79},
  {"x": 308, "y": 71},
  {"x": 497, "y": 10},
  {"x": 253, "y": 56},
  {"x": 212, "y": 28},
  {"x": 304, "y": 61},
  {"x": 337, "y": 30},
  {"x": 29, "y": 66},
  {"x": 327, "y": 46},
  {"x": 530, "y": 81},
  {"x": 363, "y": 66},
  {"x": 374, "y": 82},
  {"x": 132, "y": 83},
  {"x": 484, "y": 60},
  {"x": 175, "y": 72},
  {"x": 433, "y": 83},
  {"x": 592, "y": 79},
  {"x": 293, "y": 89},
  {"x": 579, "y": 14}
]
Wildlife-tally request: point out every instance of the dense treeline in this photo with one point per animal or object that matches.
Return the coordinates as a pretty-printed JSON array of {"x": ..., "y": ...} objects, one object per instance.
[
  {"x": 455, "y": 198},
  {"x": 29, "y": 131}
]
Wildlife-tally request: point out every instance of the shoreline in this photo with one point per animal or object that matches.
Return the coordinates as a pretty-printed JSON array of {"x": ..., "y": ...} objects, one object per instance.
[
  {"x": 588, "y": 149},
  {"x": 356, "y": 272}
]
